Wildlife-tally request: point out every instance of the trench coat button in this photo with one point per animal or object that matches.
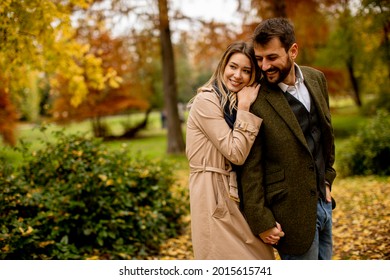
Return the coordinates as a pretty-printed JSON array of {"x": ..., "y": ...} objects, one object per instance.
[
  {"x": 311, "y": 167},
  {"x": 313, "y": 193}
]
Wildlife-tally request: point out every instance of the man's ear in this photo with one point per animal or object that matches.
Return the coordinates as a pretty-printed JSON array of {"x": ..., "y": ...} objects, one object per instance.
[{"x": 293, "y": 51}]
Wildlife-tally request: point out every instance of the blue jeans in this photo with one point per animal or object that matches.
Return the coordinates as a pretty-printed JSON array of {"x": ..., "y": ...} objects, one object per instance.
[{"x": 321, "y": 248}]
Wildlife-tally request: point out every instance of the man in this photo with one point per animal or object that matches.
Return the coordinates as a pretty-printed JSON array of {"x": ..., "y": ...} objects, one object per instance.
[{"x": 285, "y": 182}]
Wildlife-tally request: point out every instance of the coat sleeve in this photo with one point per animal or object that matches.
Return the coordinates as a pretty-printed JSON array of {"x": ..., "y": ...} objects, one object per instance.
[
  {"x": 252, "y": 191},
  {"x": 330, "y": 172},
  {"x": 233, "y": 144}
]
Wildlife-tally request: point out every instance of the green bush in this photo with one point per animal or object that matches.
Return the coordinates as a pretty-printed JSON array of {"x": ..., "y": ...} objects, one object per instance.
[
  {"x": 368, "y": 153},
  {"x": 380, "y": 102},
  {"x": 344, "y": 126},
  {"x": 75, "y": 200}
]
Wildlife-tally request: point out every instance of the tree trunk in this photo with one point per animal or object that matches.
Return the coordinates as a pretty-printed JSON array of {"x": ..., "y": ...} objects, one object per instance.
[
  {"x": 354, "y": 82},
  {"x": 99, "y": 129},
  {"x": 175, "y": 135},
  {"x": 8, "y": 117},
  {"x": 386, "y": 31},
  {"x": 131, "y": 131}
]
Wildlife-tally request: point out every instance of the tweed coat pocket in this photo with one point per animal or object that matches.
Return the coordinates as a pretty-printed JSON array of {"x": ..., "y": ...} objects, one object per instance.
[
  {"x": 274, "y": 177},
  {"x": 275, "y": 190}
]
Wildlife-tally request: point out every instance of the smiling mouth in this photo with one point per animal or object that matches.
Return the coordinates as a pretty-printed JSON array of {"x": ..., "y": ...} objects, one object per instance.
[
  {"x": 271, "y": 72},
  {"x": 235, "y": 84}
]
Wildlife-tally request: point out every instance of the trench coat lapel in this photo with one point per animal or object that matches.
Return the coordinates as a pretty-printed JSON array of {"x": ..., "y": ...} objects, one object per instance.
[{"x": 279, "y": 103}]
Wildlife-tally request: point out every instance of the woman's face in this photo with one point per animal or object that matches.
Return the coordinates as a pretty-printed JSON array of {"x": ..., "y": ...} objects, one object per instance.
[{"x": 237, "y": 72}]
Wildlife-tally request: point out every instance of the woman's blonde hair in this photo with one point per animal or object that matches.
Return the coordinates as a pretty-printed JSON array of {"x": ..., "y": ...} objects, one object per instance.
[{"x": 217, "y": 77}]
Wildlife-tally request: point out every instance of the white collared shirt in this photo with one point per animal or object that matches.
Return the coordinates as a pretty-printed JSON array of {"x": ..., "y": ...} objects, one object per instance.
[{"x": 299, "y": 90}]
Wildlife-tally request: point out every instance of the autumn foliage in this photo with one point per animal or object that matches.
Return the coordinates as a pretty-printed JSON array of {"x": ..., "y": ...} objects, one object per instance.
[
  {"x": 46, "y": 46},
  {"x": 117, "y": 93}
]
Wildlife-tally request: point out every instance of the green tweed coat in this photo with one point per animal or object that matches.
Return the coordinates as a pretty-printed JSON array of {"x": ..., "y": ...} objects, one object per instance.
[{"x": 278, "y": 179}]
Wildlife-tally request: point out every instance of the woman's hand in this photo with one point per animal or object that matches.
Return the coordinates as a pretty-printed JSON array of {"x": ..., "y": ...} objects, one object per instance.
[
  {"x": 246, "y": 96},
  {"x": 273, "y": 235}
]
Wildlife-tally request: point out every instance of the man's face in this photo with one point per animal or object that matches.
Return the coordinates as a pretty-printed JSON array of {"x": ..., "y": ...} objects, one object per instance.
[{"x": 275, "y": 63}]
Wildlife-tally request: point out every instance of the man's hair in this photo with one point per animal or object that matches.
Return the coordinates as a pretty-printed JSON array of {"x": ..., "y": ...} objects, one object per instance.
[{"x": 271, "y": 28}]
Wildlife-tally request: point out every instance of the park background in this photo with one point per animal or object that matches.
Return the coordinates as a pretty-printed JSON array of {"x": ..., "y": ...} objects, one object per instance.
[{"x": 92, "y": 100}]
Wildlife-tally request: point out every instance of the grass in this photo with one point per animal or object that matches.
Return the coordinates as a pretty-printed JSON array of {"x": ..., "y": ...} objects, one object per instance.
[
  {"x": 346, "y": 120},
  {"x": 151, "y": 143}
]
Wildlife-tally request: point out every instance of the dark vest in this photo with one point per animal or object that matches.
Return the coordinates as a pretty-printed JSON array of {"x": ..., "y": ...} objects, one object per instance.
[{"x": 310, "y": 126}]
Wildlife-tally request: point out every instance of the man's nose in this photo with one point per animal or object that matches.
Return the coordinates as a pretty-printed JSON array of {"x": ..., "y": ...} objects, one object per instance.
[{"x": 265, "y": 65}]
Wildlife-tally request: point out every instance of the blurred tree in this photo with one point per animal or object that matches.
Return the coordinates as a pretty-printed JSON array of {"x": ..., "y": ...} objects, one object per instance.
[
  {"x": 308, "y": 17},
  {"x": 270, "y": 8},
  {"x": 45, "y": 45},
  {"x": 185, "y": 73},
  {"x": 212, "y": 40},
  {"x": 175, "y": 136},
  {"x": 124, "y": 90},
  {"x": 358, "y": 44},
  {"x": 355, "y": 35},
  {"x": 344, "y": 48},
  {"x": 376, "y": 14},
  {"x": 28, "y": 96},
  {"x": 208, "y": 41},
  {"x": 379, "y": 13},
  {"x": 147, "y": 17}
]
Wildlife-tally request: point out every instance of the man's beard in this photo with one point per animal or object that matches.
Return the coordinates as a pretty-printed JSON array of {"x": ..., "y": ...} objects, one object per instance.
[{"x": 283, "y": 72}]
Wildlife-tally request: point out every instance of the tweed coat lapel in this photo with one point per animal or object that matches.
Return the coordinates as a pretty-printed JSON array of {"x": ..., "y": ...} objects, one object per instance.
[
  {"x": 275, "y": 98},
  {"x": 320, "y": 103},
  {"x": 314, "y": 87}
]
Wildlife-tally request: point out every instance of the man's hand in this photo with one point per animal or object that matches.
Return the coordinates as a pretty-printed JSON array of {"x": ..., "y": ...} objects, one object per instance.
[
  {"x": 328, "y": 195},
  {"x": 273, "y": 235}
]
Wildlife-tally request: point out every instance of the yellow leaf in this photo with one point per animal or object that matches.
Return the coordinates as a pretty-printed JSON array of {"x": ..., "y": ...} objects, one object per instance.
[
  {"x": 93, "y": 258},
  {"x": 103, "y": 177},
  {"x": 45, "y": 243},
  {"x": 5, "y": 248}
]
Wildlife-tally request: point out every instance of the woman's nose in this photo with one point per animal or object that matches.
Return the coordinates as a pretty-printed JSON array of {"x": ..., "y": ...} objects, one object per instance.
[{"x": 237, "y": 74}]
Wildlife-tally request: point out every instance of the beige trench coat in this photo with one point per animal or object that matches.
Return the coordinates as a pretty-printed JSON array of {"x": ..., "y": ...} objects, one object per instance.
[{"x": 219, "y": 230}]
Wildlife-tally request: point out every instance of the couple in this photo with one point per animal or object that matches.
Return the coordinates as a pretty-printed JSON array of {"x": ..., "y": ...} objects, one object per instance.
[{"x": 261, "y": 156}]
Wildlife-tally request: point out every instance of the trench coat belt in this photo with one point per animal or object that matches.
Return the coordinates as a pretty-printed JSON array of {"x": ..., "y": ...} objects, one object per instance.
[
  {"x": 233, "y": 190},
  {"x": 204, "y": 168}
]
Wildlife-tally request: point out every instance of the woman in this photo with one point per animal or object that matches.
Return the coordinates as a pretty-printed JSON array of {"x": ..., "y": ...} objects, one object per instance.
[{"x": 220, "y": 134}]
